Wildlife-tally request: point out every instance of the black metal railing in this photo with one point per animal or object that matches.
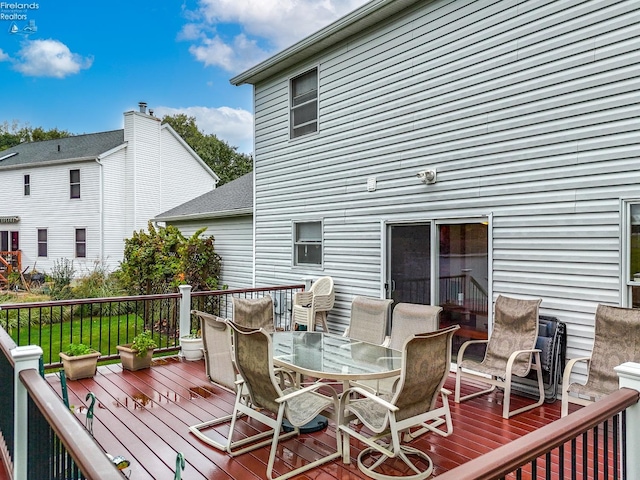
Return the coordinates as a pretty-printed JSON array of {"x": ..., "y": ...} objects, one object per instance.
[
  {"x": 587, "y": 444},
  {"x": 104, "y": 323}
]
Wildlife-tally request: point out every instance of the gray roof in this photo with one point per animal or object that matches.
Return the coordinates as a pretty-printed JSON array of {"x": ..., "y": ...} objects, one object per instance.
[
  {"x": 233, "y": 198},
  {"x": 69, "y": 148}
]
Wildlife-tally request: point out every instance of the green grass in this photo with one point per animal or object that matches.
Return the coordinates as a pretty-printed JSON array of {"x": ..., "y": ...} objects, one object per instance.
[{"x": 55, "y": 338}]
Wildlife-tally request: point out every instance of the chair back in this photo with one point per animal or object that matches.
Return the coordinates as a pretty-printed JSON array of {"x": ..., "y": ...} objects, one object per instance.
[
  {"x": 254, "y": 313},
  {"x": 616, "y": 340},
  {"x": 412, "y": 318},
  {"x": 323, "y": 293},
  {"x": 218, "y": 357},
  {"x": 253, "y": 354},
  {"x": 515, "y": 327},
  {"x": 369, "y": 318},
  {"x": 426, "y": 359}
]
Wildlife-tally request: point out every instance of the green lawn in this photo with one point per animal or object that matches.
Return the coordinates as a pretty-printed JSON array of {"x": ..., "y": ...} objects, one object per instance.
[{"x": 100, "y": 334}]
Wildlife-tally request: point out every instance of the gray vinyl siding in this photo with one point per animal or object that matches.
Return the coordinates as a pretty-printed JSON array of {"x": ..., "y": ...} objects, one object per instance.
[
  {"x": 233, "y": 242},
  {"x": 527, "y": 109}
]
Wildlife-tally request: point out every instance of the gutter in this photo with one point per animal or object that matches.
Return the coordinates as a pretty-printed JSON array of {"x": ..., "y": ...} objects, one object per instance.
[{"x": 198, "y": 216}]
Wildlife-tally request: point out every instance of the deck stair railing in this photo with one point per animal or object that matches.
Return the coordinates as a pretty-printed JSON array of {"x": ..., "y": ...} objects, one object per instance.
[
  {"x": 597, "y": 441},
  {"x": 9, "y": 262}
]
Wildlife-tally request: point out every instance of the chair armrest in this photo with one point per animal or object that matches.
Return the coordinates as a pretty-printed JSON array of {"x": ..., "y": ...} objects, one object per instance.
[
  {"x": 346, "y": 332},
  {"x": 569, "y": 368},
  {"x": 387, "y": 341},
  {"x": 464, "y": 347},
  {"x": 309, "y": 388},
  {"x": 514, "y": 355},
  {"x": 369, "y": 395}
]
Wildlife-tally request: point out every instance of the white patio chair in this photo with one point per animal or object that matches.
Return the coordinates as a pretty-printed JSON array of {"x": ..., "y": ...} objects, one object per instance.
[
  {"x": 510, "y": 351},
  {"x": 426, "y": 359},
  {"x": 312, "y": 306},
  {"x": 616, "y": 341}
]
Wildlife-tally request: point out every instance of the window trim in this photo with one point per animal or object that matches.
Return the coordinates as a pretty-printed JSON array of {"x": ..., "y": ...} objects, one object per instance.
[
  {"x": 292, "y": 107},
  {"x": 39, "y": 242},
  {"x": 73, "y": 184},
  {"x": 82, "y": 242},
  {"x": 27, "y": 185},
  {"x": 626, "y": 282},
  {"x": 295, "y": 243}
]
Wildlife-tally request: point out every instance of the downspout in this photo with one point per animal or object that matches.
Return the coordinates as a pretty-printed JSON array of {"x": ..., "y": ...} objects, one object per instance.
[{"x": 101, "y": 211}]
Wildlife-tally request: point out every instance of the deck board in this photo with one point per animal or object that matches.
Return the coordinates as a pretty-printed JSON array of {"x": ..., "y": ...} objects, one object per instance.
[{"x": 145, "y": 415}]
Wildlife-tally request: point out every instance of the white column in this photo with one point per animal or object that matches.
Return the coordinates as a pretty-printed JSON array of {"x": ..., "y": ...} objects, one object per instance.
[
  {"x": 27, "y": 357},
  {"x": 307, "y": 282},
  {"x": 185, "y": 309},
  {"x": 629, "y": 377}
]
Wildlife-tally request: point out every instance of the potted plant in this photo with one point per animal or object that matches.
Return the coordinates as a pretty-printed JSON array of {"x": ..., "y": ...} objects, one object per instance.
[
  {"x": 137, "y": 354},
  {"x": 191, "y": 346},
  {"x": 79, "y": 361}
]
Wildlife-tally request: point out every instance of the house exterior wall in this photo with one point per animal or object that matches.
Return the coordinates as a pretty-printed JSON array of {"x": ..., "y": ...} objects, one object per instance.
[
  {"x": 527, "y": 109},
  {"x": 50, "y": 207},
  {"x": 233, "y": 242}
]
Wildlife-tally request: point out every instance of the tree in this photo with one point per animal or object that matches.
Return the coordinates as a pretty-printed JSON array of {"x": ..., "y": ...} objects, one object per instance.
[
  {"x": 223, "y": 159},
  {"x": 162, "y": 258},
  {"x": 14, "y": 134}
]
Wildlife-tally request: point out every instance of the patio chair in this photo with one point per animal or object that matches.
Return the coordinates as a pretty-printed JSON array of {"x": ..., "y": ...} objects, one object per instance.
[
  {"x": 254, "y": 312},
  {"x": 407, "y": 319},
  {"x": 218, "y": 361},
  {"x": 616, "y": 340},
  {"x": 312, "y": 306},
  {"x": 510, "y": 351},
  {"x": 253, "y": 353},
  {"x": 369, "y": 318},
  {"x": 426, "y": 358}
]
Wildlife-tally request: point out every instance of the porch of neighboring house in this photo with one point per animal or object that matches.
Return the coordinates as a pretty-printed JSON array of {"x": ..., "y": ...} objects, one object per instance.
[
  {"x": 144, "y": 416},
  {"x": 9, "y": 262}
]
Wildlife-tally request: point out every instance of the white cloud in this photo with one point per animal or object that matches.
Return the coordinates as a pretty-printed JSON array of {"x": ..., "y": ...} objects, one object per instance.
[
  {"x": 49, "y": 58},
  {"x": 3, "y": 56},
  {"x": 233, "y": 125},
  {"x": 278, "y": 23}
]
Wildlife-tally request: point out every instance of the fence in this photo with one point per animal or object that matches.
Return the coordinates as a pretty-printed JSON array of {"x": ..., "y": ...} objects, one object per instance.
[{"x": 104, "y": 323}]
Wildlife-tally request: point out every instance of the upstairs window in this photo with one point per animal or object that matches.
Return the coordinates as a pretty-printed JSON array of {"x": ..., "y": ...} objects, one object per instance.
[
  {"x": 81, "y": 242},
  {"x": 42, "y": 242},
  {"x": 74, "y": 178},
  {"x": 27, "y": 185},
  {"x": 307, "y": 243},
  {"x": 304, "y": 104}
]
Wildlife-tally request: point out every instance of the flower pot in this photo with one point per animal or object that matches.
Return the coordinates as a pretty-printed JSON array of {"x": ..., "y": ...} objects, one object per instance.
[
  {"x": 191, "y": 348},
  {"x": 130, "y": 359},
  {"x": 79, "y": 366}
]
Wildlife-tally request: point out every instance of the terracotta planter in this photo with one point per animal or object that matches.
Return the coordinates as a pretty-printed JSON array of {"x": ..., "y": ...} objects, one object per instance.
[
  {"x": 130, "y": 359},
  {"x": 79, "y": 366},
  {"x": 191, "y": 348}
]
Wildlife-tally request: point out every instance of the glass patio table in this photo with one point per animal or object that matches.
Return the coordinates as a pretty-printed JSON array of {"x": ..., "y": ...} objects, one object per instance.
[{"x": 333, "y": 357}]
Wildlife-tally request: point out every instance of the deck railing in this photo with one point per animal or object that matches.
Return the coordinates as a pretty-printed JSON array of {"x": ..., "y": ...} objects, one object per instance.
[
  {"x": 36, "y": 425},
  {"x": 588, "y": 444},
  {"x": 104, "y": 323}
]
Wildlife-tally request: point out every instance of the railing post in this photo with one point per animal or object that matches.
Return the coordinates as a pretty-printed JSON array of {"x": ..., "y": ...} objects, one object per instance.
[
  {"x": 307, "y": 282},
  {"x": 27, "y": 357},
  {"x": 629, "y": 377},
  {"x": 185, "y": 309}
]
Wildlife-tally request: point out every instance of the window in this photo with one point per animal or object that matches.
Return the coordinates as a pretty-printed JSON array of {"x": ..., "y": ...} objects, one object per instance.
[
  {"x": 27, "y": 185},
  {"x": 81, "y": 242},
  {"x": 4, "y": 241},
  {"x": 74, "y": 177},
  {"x": 42, "y": 242},
  {"x": 308, "y": 243},
  {"x": 304, "y": 104},
  {"x": 631, "y": 275}
]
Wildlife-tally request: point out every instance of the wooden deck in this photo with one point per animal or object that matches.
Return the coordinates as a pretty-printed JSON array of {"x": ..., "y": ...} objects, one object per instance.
[{"x": 145, "y": 415}]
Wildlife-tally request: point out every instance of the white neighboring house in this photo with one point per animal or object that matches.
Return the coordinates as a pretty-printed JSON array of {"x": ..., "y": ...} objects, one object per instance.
[
  {"x": 446, "y": 152},
  {"x": 80, "y": 197},
  {"x": 227, "y": 212}
]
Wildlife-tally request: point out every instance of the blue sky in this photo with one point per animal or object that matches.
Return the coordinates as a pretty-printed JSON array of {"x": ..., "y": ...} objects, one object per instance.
[{"x": 79, "y": 65}]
